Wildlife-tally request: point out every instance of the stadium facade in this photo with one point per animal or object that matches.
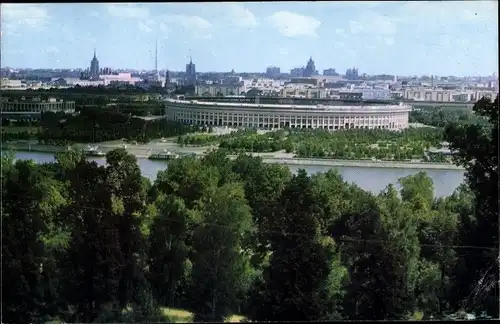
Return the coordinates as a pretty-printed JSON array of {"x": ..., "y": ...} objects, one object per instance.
[{"x": 272, "y": 116}]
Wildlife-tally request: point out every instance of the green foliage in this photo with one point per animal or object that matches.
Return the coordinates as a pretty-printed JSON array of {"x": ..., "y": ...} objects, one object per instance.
[
  {"x": 354, "y": 144},
  {"x": 220, "y": 267},
  {"x": 477, "y": 150},
  {"x": 168, "y": 249},
  {"x": 441, "y": 116},
  {"x": 301, "y": 269},
  {"x": 95, "y": 125},
  {"x": 89, "y": 243},
  {"x": 197, "y": 139},
  {"x": 17, "y": 136}
]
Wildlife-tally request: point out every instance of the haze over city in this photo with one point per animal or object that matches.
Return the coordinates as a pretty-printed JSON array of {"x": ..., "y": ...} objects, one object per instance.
[{"x": 403, "y": 38}]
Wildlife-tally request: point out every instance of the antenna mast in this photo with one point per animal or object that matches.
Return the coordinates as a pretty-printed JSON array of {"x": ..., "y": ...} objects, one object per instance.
[{"x": 156, "y": 59}]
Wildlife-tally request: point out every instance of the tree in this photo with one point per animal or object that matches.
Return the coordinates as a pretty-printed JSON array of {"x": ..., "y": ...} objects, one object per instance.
[
  {"x": 220, "y": 160},
  {"x": 220, "y": 268},
  {"x": 417, "y": 189},
  {"x": 400, "y": 240},
  {"x": 379, "y": 246},
  {"x": 30, "y": 203},
  {"x": 187, "y": 179},
  {"x": 263, "y": 185},
  {"x": 301, "y": 259},
  {"x": 476, "y": 147},
  {"x": 93, "y": 264},
  {"x": 168, "y": 249},
  {"x": 128, "y": 197}
]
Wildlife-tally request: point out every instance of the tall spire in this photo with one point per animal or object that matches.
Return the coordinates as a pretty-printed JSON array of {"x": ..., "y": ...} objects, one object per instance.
[{"x": 94, "y": 53}]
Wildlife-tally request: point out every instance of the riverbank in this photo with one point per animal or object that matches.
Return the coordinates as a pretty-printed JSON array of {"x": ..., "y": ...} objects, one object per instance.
[
  {"x": 143, "y": 152},
  {"x": 363, "y": 164}
]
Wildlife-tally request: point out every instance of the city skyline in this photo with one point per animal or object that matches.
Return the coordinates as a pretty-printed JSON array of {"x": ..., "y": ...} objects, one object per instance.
[{"x": 406, "y": 38}]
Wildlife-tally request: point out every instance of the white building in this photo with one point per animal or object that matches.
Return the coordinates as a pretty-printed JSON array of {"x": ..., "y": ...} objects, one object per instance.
[
  {"x": 392, "y": 117},
  {"x": 120, "y": 77},
  {"x": 83, "y": 83},
  {"x": 214, "y": 90}
]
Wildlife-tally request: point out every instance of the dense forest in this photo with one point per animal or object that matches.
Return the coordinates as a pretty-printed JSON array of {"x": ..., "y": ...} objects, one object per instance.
[{"x": 89, "y": 243}]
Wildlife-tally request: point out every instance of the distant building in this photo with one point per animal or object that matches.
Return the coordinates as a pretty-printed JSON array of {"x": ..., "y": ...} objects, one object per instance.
[
  {"x": 330, "y": 72},
  {"x": 324, "y": 80},
  {"x": 310, "y": 69},
  {"x": 190, "y": 73},
  {"x": 106, "y": 71},
  {"x": 83, "y": 83},
  {"x": 231, "y": 80},
  {"x": 216, "y": 90},
  {"x": 33, "y": 108},
  {"x": 428, "y": 95},
  {"x": 351, "y": 95},
  {"x": 310, "y": 81},
  {"x": 303, "y": 92},
  {"x": 169, "y": 85},
  {"x": 119, "y": 79},
  {"x": 297, "y": 72},
  {"x": 273, "y": 72},
  {"x": 12, "y": 84},
  {"x": 94, "y": 68},
  {"x": 352, "y": 74}
]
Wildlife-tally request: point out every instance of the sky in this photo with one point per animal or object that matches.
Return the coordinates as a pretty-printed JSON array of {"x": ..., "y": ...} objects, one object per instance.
[{"x": 403, "y": 38}]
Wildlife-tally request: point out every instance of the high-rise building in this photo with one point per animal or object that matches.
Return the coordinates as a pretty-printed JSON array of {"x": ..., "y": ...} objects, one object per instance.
[
  {"x": 310, "y": 69},
  {"x": 273, "y": 72},
  {"x": 297, "y": 72},
  {"x": 106, "y": 71},
  {"x": 167, "y": 79},
  {"x": 330, "y": 72},
  {"x": 352, "y": 74},
  {"x": 190, "y": 73},
  {"x": 94, "y": 67}
]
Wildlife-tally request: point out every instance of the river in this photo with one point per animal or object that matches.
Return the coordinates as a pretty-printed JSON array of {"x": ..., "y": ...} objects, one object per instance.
[{"x": 371, "y": 179}]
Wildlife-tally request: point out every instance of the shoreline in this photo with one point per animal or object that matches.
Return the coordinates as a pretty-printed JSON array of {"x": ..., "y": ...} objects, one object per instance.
[
  {"x": 143, "y": 153},
  {"x": 364, "y": 164}
]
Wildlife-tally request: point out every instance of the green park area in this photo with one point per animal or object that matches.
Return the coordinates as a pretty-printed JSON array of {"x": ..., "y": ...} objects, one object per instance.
[
  {"x": 348, "y": 144},
  {"x": 409, "y": 144},
  {"x": 212, "y": 237}
]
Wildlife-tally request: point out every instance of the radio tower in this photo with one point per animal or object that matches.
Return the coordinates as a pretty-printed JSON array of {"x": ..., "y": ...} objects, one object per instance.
[{"x": 157, "y": 77}]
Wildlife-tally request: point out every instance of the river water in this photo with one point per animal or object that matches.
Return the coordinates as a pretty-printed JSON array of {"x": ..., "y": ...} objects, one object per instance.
[{"x": 371, "y": 179}]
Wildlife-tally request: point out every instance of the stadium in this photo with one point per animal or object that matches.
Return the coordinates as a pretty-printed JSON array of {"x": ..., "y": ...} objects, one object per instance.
[{"x": 342, "y": 115}]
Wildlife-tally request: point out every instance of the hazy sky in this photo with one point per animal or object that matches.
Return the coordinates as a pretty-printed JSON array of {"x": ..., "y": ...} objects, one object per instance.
[{"x": 404, "y": 38}]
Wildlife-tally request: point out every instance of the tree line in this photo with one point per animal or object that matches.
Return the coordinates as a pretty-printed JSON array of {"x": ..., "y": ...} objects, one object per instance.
[
  {"x": 441, "y": 116},
  {"x": 126, "y": 89},
  {"x": 92, "y": 126},
  {"x": 139, "y": 103},
  {"x": 90, "y": 243}
]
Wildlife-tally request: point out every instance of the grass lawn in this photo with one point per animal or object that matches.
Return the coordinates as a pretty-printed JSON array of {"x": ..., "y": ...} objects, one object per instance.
[{"x": 183, "y": 316}]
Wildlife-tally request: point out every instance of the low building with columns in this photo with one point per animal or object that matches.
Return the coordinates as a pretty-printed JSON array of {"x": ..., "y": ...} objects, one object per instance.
[{"x": 33, "y": 109}]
